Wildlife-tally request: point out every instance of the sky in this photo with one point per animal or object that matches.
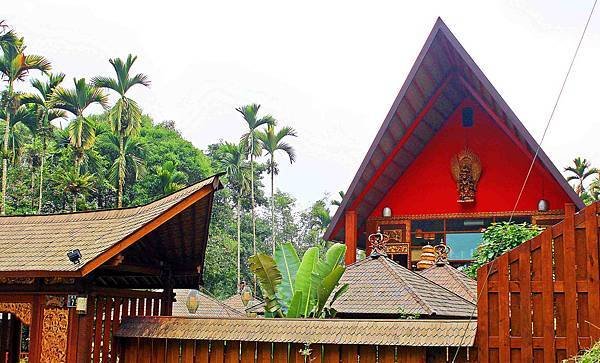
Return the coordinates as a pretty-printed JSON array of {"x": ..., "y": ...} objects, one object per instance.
[{"x": 330, "y": 69}]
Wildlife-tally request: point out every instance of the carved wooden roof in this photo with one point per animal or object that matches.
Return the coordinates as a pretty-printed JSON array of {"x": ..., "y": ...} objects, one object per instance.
[{"x": 129, "y": 245}]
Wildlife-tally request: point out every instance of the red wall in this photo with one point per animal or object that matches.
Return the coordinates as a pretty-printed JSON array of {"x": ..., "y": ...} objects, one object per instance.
[{"x": 427, "y": 185}]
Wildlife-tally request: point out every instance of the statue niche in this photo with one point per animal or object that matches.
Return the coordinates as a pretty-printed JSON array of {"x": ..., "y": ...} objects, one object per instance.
[{"x": 466, "y": 171}]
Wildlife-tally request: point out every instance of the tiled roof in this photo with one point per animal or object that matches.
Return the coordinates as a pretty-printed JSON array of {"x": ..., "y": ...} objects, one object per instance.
[
  {"x": 380, "y": 286},
  {"x": 453, "y": 280},
  {"x": 209, "y": 307},
  {"x": 420, "y": 333},
  {"x": 41, "y": 242},
  {"x": 254, "y": 306}
]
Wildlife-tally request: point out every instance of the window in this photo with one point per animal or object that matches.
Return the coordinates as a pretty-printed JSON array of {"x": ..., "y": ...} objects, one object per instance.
[{"x": 462, "y": 245}]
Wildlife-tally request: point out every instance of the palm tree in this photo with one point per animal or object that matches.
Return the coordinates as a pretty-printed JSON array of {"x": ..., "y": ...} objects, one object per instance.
[
  {"x": 336, "y": 202},
  {"x": 170, "y": 178},
  {"x": 126, "y": 115},
  {"x": 15, "y": 65},
  {"x": 45, "y": 115},
  {"x": 579, "y": 172},
  {"x": 250, "y": 114},
  {"x": 71, "y": 181},
  {"x": 82, "y": 133},
  {"x": 232, "y": 158},
  {"x": 8, "y": 38},
  {"x": 129, "y": 161},
  {"x": 19, "y": 122},
  {"x": 271, "y": 142}
]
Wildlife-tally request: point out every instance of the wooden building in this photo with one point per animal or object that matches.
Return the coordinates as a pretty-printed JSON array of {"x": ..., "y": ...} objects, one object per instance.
[
  {"x": 70, "y": 278},
  {"x": 449, "y": 159}
]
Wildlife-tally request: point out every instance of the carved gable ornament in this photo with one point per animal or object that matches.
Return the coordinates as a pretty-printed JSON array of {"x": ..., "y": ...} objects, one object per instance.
[{"x": 466, "y": 171}]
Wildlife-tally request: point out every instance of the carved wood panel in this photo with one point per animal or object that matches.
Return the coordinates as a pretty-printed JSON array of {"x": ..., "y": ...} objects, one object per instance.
[
  {"x": 55, "y": 327},
  {"x": 20, "y": 310}
]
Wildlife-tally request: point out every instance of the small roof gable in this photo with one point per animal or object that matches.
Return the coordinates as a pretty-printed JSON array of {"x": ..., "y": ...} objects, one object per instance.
[
  {"x": 452, "y": 279},
  {"x": 442, "y": 76},
  {"x": 209, "y": 307},
  {"x": 380, "y": 286},
  {"x": 37, "y": 245}
]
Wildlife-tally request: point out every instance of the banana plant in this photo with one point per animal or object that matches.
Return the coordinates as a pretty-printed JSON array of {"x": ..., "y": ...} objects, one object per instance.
[{"x": 294, "y": 288}]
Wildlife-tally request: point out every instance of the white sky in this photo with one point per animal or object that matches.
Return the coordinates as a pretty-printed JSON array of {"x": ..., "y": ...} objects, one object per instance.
[{"x": 331, "y": 69}]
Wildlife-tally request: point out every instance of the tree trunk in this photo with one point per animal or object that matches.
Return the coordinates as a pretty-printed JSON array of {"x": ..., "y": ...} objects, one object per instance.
[
  {"x": 5, "y": 152},
  {"x": 74, "y": 208},
  {"x": 121, "y": 172},
  {"x": 42, "y": 176},
  {"x": 252, "y": 196},
  {"x": 239, "y": 241},
  {"x": 273, "y": 202}
]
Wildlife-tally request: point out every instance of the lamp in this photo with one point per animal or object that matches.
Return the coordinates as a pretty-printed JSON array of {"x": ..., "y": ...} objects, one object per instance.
[
  {"x": 246, "y": 295},
  {"x": 543, "y": 205},
  {"x": 74, "y": 256},
  {"x": 387, "y": 212},
  {"x": 193, "y": 301}
]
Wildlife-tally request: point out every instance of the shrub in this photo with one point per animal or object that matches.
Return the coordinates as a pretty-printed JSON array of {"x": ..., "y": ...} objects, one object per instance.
[{"x": 499, "y": 238}]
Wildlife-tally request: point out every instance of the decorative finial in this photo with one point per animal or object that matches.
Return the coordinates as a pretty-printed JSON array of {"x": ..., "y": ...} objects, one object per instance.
[
  {"x": 378, "y": 241},
  {"x": 441, "y": 254}
]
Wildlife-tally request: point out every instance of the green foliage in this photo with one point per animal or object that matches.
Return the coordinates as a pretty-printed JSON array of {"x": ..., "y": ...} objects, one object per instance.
[
  {"x": 591, "y": 355},
  {"x": 305, "y": 286},
  {"x": 499, "y": 238}
]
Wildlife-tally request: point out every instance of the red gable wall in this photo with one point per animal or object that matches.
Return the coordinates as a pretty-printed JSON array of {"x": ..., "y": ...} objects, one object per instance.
[{"x": 427, "y": 185}]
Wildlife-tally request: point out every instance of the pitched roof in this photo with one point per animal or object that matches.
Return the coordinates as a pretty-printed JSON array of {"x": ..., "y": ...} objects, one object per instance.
[
  {"x": 380, "y": 286},
  {"x": 419, "y": 333},
  {"x": 37, "y": 244},
  {"x": 254, "y": 306},
  {"x": 452, "y": 279},
  {"x": 209, "y": 307},
  {"x": 442, "y": 76}
]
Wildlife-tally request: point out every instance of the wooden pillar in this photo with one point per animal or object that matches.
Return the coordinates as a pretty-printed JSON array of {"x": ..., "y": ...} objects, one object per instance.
[{"x": 350, "y": 238}]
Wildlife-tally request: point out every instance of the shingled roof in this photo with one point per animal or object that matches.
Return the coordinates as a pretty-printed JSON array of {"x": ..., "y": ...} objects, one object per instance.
[
  {"x": 37, "y": 245},
  {"x": 419, "y": 333},
  {"x": 209, "y": 307},
  {"x": 254, "y": 306},
  {"x": 379, "y": 286},
  {"x": 453, "y": 280}
]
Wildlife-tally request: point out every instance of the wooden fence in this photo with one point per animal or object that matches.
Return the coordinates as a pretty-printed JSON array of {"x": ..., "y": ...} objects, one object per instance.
[
  {"x": 541, "y": 301},
  {"x": 106, "y": 313},
  {"x": 134, "y": 350}
]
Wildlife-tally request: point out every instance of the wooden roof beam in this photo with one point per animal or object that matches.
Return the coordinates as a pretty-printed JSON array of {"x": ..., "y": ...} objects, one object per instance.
[{"x": 409, "y": 132}]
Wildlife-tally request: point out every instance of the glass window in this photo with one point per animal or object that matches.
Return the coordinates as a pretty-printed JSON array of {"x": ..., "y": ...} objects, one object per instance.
[
  {"x": 517, "y": 220},
  {"x": 475, "y": 224},
  {"x": 462, "y": 245},
  {"x": 428, "y": 225}
]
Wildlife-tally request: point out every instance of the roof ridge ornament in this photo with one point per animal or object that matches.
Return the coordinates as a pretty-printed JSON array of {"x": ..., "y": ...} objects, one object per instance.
[
  {"x": 378, "y": 242},
  {"x": 441, "y": 254}
]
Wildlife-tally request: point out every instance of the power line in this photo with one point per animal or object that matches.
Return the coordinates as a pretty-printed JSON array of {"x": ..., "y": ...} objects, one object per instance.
[{"x": 537, "y": 151}]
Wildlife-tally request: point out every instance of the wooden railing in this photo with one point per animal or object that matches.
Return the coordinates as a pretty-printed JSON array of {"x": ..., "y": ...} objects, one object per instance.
[{"x": 541, "y": 301}]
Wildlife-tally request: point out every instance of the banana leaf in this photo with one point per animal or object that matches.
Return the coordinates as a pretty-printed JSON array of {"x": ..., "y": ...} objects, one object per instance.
[
  {"x": 287, "y": 262},
  {"x": 269, "y": 277},
  {"x": 328, "y": 283},
  {"x": 306, "y": 282},
  {"x": 339, "y": 293},
  {"x": 294, "y": 310},
  {"x": 333, "y": 257}
]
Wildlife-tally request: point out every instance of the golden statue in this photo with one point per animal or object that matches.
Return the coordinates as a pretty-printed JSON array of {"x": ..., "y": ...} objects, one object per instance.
[{"x": 466, "y": 171}]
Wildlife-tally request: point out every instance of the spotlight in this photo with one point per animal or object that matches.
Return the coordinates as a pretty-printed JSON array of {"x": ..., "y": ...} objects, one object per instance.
[{"x": 74, "y": 256}]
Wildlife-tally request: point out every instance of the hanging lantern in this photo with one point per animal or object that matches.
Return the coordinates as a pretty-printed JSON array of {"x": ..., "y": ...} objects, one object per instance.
[
  {"x": 246, "y": 295},
  {"x": 193, "y": 301},
  {"x": 543, "y": 205},
  {"x": 427, "y": 257}
]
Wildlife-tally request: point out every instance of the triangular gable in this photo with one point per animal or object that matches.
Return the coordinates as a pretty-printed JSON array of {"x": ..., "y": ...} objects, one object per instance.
[{"x": 442, "y": 77}]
